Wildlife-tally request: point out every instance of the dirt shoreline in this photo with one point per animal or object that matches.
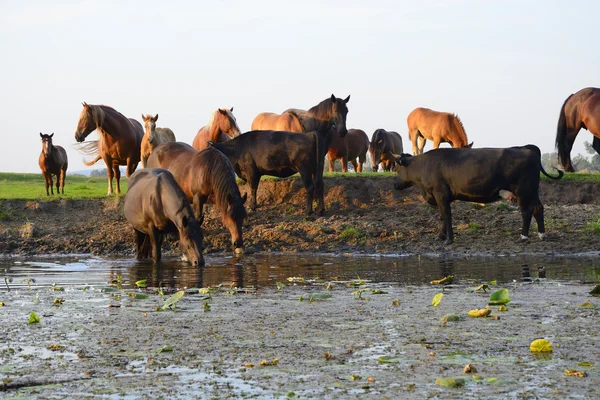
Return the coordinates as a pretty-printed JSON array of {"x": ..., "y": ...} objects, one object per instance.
[{"x": 364, "y": 215}]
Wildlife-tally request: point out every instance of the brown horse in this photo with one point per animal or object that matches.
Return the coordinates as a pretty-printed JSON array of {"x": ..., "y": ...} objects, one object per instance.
[
  {"x": 382, "y": 147},
  {"x": 155, "y": 205},
  {"x": 53, "y": 161},
  {"x": 348, "y": 148},
  {"x": 580, "y": 110},
  {"x": 439, "y": 127},
  {"x": 205, "y": 176},
  {"x": 119, "y": 143},
  {"x": 153, "y": 136},
  {"x": 221, "y": 127}
]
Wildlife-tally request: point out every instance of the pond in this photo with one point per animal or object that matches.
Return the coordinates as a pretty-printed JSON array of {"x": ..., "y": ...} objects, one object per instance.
[{"x": 298, "y": 326}]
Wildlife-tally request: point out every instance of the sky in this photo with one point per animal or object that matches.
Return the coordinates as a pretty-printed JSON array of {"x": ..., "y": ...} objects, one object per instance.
[{"x": 504, "y": 67}]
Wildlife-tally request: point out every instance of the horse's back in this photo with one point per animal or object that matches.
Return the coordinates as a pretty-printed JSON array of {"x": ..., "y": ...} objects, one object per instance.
[
  {"x": 287, "y": 122},
  {"x": 165, "y": 135},
  {"x": 357, "y": 142},
  {"x": 396, "y": 142}
]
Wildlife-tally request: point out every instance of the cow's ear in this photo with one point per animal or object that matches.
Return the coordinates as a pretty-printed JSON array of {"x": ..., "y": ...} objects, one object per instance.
[{"x": 470, "y": 145}]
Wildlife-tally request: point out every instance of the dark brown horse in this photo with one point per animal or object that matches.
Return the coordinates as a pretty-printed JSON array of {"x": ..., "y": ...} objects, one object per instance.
[
  {"x": 53, "y": 162},
  {"x": 205, "y": 176},
  {"x": 580, "y": 110},
  {"x": 277, "y": 153},
  {"x": 439, "y": 127},
  {"x": 383, "y": 145},
  {"x": 155, "y": 205},
  {"x": 348, "y": 148},
  {"x": 221, "y": 127},
  {"x": 119, "y": 143}
]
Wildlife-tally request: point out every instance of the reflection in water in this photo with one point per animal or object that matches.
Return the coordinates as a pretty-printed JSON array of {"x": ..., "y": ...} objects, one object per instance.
[{"x": 263, "y": 270}]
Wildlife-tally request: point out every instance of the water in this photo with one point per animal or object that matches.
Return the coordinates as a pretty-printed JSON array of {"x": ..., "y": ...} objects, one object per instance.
[{"x": 265, "y": 270}]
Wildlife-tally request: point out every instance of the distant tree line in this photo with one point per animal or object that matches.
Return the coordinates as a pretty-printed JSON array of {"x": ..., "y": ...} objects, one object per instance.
[{"x": 580, "y": 162}]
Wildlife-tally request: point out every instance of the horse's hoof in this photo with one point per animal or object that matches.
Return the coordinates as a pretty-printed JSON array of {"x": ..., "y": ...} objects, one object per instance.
[
  {"x": 238, "y": 251},
  {"x": 523, "y": 237},
  {"x": 542, "y": 236},
  {"x": 448, "y": 242}
]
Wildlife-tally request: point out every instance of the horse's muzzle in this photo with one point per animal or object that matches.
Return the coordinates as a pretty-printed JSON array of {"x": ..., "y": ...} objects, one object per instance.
[{"x": 79, "y": 138}]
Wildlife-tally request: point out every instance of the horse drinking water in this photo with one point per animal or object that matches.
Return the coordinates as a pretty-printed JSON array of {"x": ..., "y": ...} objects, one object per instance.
[
  {"x": 153, "y": 136},
  {"x": 439, "y": 127},
  {"x": 580, "y": 110},
  {"x": 53, "y": 162},
  {"x": 221, "y": 127},
  {"x": 155, "y": 205},
  {"x": 119, "y": 142}
]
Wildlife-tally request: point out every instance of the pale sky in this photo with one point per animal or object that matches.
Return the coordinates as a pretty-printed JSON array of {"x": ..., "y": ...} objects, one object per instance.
[{"x": 505, "y": 67}]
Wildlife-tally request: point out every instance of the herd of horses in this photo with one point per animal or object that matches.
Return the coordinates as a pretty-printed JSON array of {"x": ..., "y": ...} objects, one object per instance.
[{"x": 184, "y": 177}]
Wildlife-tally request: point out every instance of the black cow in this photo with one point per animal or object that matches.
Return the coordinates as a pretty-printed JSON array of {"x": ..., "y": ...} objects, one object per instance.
[{"x": 477, "y": 175}]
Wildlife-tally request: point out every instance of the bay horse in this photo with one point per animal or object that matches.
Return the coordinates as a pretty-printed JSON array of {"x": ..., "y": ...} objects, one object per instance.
[
  {"x": 155, "y": 205},
  {"x": 580, "y": 110},
  {"x": 53, "y": 161},
  {"x": 280, "y": 154},
  {"x": 205, "y": 176},
  {"x": 439, "y": 127},
  {"x": 119, "y": 142},
  {"x": 222, "y": 126},
  {"x": 153, "y": 136},
  {"x": 348, "y": 148},
  {"x": 383, "y": 145}
]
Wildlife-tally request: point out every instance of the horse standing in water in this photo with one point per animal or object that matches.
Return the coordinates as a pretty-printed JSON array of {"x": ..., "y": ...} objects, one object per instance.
[
  {"x": 221, "y": 127},
  {"x": 53, "y": 161},
  {"x": 153, "y": 136},
  {"x": 155, "y": 205},
  {"x": 348, "y": 148},
  {"x": 580, "y": 110},
  {"x": 119, "y": 142},
  {"x": 205, "y": 176},
  {"x": 439, "y": 127},
  {"x": 382, "y": 147}
]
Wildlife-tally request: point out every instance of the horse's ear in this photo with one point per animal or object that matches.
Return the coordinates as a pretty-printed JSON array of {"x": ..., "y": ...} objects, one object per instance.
[
  {"x": 231, "y": 109},
  {"x": 223, "y": 111},
  {"x": 52, "y": 134},
  {"x": 155, "y": 118},
  {"x": 85, "y": 105},
  {"x": 333, "y": 97},
  {"x": 470, "y": 145},
  {"x": 347, "y": 99},
  {"x": 143, "y": 117},
  {"x": 41, "y": 135}
]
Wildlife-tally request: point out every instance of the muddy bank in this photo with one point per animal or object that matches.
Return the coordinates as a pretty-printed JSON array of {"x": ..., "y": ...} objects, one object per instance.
[{"x": 364, "y": 215}]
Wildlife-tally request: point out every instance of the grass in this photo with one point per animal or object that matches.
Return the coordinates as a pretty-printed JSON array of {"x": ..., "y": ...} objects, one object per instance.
[
  {"x": 17, "y": 186},
  {"x": 473, "y": 227},
  {"x": 350, "y": 233},
  {"x": 574, "y": 177},
  {"x": 593, "y": 226}
]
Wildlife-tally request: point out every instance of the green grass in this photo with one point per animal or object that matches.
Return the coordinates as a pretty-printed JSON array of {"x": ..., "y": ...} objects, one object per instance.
[
  {"x": 350, "y": 233},
  {"x": 19, "y": 186},
  {"x": 575, "y": 177},
  {"x": 593, "y": 226}
]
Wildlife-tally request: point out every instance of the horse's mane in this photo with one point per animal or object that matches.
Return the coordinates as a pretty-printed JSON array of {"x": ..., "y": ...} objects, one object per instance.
[
  {"x": 218, "y": 167},
  {"x": 214, "y": 116},
  {"x": 460, "y": 126},
  {"x": 97, "y": 114},
  {"x": 307, "y": 118}
]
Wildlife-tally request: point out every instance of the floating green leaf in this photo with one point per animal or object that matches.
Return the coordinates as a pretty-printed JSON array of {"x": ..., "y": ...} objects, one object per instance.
[
  {"x": 316, "y": 296},
  {"x": 540, "y": 346},
  {"x": 595, "y": 291},
  {"x": 437, "y": 299},
  {"x": 387, "y": 359},
  {"x": 108, "y": 290},
  {"x": 483, "y": 287},
  {"x": 165, "y": 349},
  {"x": 451, "y": 318},
  {"x": 378, "y": 291},
  {"x": 450, "y": 382},
  {"x": 34, "y": 318},
  {"x": 493, "y": 381},
  {"x": 172, "y": 301},
  {"x": 585, "y": 364},
  {"x": 137, "y": 296},
  {"x": 499, "y": 297},
  {"x": 494, "y": 282},
  {"x": 141, "y": 283},
  {"x": 444, "y": 281}
]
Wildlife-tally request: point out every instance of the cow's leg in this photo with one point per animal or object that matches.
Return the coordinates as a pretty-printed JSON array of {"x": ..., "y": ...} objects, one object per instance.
[
  {"x": 140, "y": 239},
  {"x": 526, "y": 214},
  {"x": 253, "y": 180},
  {"x": 538, "y": 214},
  {"x": 443, "y": 203},
  {"x": 309, "y": 185}
]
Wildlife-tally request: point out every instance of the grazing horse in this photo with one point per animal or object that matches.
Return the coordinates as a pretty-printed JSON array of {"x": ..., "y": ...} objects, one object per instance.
[
  {"x": 205, "y": 176},
  {"x": 439, "y": 127},
  {"x": 53, "y": 161},
  {"x": 277, "y": 153},
  {"x": 155, "y": 205},
  {"x": 383, "y": 145},
  {"x": 348, "y": 148},
  {"x": 580, "y": 110},
  {"x": 119, "y": 143},
  {"x": 153, "y": 136},
  {"x": 221, "y": 127}
]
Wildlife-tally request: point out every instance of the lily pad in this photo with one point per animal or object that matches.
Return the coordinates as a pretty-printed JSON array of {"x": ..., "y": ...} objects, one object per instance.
[
  {"x": 540, "y": 346},
  {"x": 437, "y": 299},
  {"x": 451, "y": 318},
  {"x": 450, "y": 382},
  {"x": 137, "y": 296},
  {"x": 444, "y": 281},
  {"x": 481, "y": 313},
  {"x": 34, "y": 318},
  {"x": 499, "y": 297},
  {"x": 172, "y": 301},
  {"x": 165, "y": 349},
  {"x": 388, "y": 360},
  {"x": 316, "y": 296}
]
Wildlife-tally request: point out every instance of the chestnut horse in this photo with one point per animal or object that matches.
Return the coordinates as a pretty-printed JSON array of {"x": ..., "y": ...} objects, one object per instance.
[
  {"x": 153, "y": 136},
  {"x": 348, "y": 148},
  {"x": 439, "y": 127},
  {"x": 205, "y": 176},
  {"x": 119, "y": 143},
  {"x": 53, "y": 161},
  {"x": 155, "y": 205},
  {"x": 221, "y": 127},
  {"x": 580, "y": 110},
  {"x": 382, "y": 147}
]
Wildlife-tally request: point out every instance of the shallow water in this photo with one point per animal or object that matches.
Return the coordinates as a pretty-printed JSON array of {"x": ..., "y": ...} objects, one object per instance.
[{"x": 265, "y": 270}]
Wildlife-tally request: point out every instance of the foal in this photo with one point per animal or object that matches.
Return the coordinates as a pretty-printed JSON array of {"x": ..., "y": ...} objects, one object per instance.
[{"x": 53, "y": 161}]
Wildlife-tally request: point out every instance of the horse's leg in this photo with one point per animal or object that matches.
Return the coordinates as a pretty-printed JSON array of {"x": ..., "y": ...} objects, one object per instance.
[
  {"x": 63, "y": 173},
  {"x": 109, "y": 175},
  {"x": 58, "y": 182},
  {"x": 422, "y": 142},
  {"x": 156, "y": 240},
  {"x": 567, "y": 164},
  {"x": 357, "y": 166},
  {"x": 46, "y": 183},
  {"x": 197, "y": 208},
  {"x": 345, "y": 163},
  {"x": 436, "y": 142},
  {"x": 118, "y": 176},
  {"x": 596, "y": 144},
  {"x": 331, "y": 163},
  {"x": 414, "y": 135},
  {"x": 253, "y": 180},
  {"x": 51, "y": 183}
]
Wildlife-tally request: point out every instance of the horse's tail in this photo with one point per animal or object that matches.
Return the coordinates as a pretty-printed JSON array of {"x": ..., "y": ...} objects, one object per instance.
[
  {"x": 145, "y": 248},
  {"x": 561, "y": 134},
  {"x": 226, "y": 191},
  {"x": 91, "y": 149}
]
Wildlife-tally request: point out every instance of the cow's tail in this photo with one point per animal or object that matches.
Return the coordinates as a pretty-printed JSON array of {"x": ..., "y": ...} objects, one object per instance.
[
  {"x": 560, "y": 173},
  {"x": 538, "y": 153},
  {"x": 561, "y": 134}
]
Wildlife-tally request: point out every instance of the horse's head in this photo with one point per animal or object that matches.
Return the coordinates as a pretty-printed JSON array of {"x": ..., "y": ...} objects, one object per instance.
[
  {"x": 87, "y": 122},
  {"x": 190, "y": 242},
  {"x": 339, "y": 111},
  {"x": 376, "y": 148},
  {"x": 46, "y": 144},
  {"x": 226, "y": 122},
  {"x": 150, "y": 127}
]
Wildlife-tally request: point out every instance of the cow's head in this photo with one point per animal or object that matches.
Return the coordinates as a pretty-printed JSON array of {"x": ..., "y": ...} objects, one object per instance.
[{"x": 403, "y": 162}]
